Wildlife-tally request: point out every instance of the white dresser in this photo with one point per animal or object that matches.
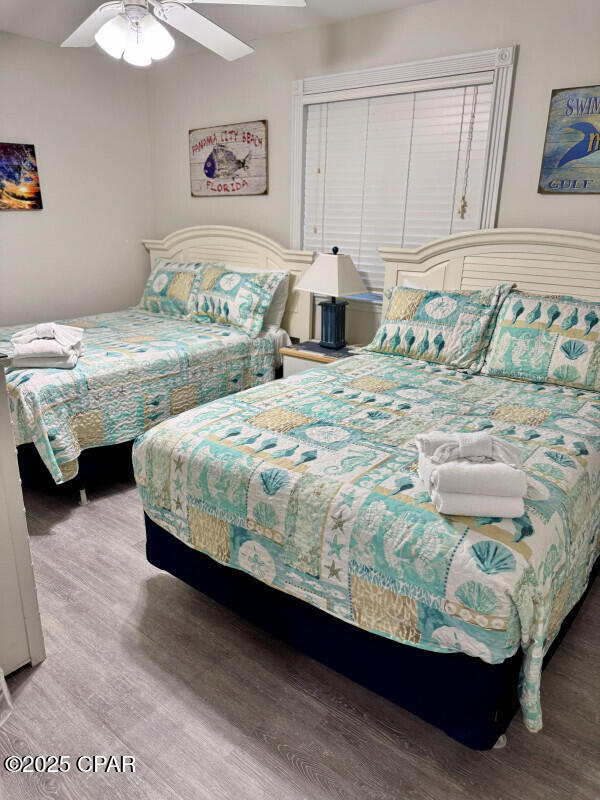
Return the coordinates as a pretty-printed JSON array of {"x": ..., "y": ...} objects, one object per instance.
[{"x": 21, "y": 640}]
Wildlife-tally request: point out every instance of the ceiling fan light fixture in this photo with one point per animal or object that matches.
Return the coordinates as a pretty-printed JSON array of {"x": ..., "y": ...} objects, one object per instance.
[
  {"x": 130, "y": 29},
  {"x": 156, "y": 39},
  {"x": 114, "y": 36},
  {"x": 136, "y": 54}
]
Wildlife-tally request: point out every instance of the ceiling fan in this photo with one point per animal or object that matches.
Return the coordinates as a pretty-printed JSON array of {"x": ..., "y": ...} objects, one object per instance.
[{"x": 131, "y": 29}]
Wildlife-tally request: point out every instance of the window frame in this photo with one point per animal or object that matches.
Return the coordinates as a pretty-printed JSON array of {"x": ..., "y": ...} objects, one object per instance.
[{"x": 488, "y": 66}]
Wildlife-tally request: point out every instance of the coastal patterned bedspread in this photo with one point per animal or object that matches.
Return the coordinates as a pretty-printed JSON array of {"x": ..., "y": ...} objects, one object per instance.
[
  {"x": 137, "y": 369},
  {"x": 310, "y": 485}
]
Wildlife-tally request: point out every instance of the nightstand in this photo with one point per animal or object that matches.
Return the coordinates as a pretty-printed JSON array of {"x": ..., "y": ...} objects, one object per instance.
[{"x": 306, "y": 355}]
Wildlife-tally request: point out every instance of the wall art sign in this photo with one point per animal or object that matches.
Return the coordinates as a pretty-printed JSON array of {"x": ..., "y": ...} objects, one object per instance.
[
  {"x": 19, "y": 180},
  {"x": 571, "y": 161},
  {"x": 229, "y": 160}
]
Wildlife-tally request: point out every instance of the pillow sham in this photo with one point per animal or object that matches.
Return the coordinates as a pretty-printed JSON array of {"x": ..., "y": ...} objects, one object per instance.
[
  {"x": 276, "y": 310},
  {"x": 547, "y": 339},
  {"x": 452, "y": 328},
  {"x": 235, "y": 298},
  {"x": 169, "y": 289}
]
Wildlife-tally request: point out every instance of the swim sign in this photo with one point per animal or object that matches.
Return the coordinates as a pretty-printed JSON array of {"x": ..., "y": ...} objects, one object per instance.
[{"x": 571, "y": 161}]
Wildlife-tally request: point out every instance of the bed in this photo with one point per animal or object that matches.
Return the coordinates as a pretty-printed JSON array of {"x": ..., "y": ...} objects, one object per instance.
[
  {"x": 308, "y": 489},
  {"x": 140, "y": 368}
]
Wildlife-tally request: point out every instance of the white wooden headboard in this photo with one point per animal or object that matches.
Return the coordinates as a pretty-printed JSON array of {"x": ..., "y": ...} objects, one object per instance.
[
  {"x": 536, "y": 259},
  {"x": 222, "y": 244}
]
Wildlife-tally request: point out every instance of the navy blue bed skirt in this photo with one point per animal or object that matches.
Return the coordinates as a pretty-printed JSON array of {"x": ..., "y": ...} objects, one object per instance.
[{"x": 473, "y": 702}]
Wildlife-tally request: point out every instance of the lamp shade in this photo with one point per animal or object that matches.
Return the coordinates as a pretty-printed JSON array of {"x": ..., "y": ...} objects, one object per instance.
[{"x": 333, "y": 274}]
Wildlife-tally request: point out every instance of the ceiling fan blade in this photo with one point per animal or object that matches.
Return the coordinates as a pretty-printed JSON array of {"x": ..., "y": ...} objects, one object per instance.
[
  {"x": 289, "y": 3},
  {"x": 83, "y": 36},
  {"x": 202, "y": 30}
]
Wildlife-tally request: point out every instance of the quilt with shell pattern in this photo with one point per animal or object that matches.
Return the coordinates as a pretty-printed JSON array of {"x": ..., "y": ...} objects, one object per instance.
[
  {"x": 310, "y": 485},
  {"x": 137, "y": 369}
]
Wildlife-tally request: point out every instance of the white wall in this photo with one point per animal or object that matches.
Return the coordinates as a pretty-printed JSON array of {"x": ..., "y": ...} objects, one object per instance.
[
  {"x": 113, "y": 157},
  {"x": 88, "y": 119},
  {"x": 558, "y": 48}
]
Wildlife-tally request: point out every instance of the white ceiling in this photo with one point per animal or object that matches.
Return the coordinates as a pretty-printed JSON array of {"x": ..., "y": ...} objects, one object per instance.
[{"x": 54, "y": 20}]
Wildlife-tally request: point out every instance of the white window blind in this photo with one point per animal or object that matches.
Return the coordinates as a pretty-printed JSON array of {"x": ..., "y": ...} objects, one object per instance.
[{"x": 391, "y": 171}]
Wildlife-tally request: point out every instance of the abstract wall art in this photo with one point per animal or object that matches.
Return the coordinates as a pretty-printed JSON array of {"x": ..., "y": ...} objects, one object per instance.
[{"x": 19, "y": 180}]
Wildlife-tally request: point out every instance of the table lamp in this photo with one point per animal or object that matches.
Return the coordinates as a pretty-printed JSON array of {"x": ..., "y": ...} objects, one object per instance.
[{"x": 333, "y": 274}]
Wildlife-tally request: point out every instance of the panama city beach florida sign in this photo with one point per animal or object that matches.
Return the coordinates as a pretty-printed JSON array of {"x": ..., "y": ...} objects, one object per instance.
[
  {"x": 229, "y": 160},
  {"x": 571, "y": 162}
]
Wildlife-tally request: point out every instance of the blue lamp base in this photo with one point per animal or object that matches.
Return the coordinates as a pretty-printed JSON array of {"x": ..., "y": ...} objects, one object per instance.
[{"x": 333, "y": 324}]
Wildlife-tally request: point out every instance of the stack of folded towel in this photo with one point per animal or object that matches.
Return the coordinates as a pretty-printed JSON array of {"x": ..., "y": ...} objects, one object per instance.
[
  {"x": 472, "y": 474},
  {"x": 47, "y": 345}
]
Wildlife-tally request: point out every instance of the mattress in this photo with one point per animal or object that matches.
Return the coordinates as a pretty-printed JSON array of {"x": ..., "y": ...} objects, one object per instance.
[
  {"x": 137, "y": 369},
  {"x": 310, "y": 485}
]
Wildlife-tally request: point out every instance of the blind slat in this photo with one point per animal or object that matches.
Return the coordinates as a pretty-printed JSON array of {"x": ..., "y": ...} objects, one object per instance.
[{"x": 390, "y": 171}]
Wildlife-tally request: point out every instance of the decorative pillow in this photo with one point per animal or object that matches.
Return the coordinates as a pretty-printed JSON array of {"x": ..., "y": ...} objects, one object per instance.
[
  {"x": 452, "y": 328},
  {"x": 276, "y": 310},
  {"x": 236, "y": 298},
  {"x": 547, "y": 339},
  {"x": 169, "y": 289}
]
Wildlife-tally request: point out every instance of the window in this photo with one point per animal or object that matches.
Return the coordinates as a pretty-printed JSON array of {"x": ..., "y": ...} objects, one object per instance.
[{"x": 390, "y": 164}]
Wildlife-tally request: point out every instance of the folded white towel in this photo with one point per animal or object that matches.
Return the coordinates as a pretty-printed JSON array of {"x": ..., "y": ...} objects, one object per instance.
[
  {"x": 48, "y": 345},
  {"x": 66, "y": 335},
  {"x": 437, "y": 449},
  {"x": 484, "y": 449},
  {"x": 428, "y": 443},
  {"x": 474, "y": 445},
  {"x": 65, "y": 362},
  {"x": 493, "y": 478},
  {"x": 472, "y": 474},
  {"x": 477, "y": 505},
  {"x": 44, "y": 348}
]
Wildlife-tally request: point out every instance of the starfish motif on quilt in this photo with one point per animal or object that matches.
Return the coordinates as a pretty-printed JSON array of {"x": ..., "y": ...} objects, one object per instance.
[
  {"x": 178, "y": 504},
  {"x": 334, "y": 572},
  {"x": 178, "y": 464},
  {"x": 339, "y": 520},
  {"x": 335, "y": 547}
]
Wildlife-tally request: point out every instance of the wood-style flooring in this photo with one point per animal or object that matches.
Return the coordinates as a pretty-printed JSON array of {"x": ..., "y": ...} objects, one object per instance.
[{"x": 211, "y": 707}]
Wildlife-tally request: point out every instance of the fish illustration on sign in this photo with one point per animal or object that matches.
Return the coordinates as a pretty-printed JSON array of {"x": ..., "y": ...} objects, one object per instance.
[
  {"x": 571, "y": 161},
  {"x": 222, "y": 163},
  {"x": 589, "y": 144},
  {"x": 229, "y": 160}
]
